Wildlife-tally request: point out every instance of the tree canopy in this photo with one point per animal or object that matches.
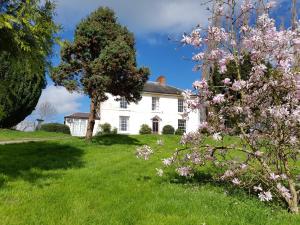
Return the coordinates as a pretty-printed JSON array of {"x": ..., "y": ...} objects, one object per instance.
[
  {"x": 101, "y": 60},
  {"x": 27, "y": 34}
]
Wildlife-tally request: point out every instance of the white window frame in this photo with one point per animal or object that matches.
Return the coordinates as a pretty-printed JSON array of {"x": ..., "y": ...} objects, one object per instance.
[
  {"x": 180, "y": 105},
  {"x": 182, "y": 125},
  {"x": 124, "y": 123},
  {"x": 155, "y": 103},
  {"x": 123, "y": 103}
]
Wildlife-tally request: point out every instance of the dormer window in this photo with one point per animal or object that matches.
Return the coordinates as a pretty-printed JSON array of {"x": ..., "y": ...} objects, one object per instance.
[
  {"x": 155, "y": 103},
  {"x": 123, "y": 103},
  {"x": 180, "y": 105}
]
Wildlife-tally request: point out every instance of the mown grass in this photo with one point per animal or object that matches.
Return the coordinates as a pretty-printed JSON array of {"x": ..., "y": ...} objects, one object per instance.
[
  {"x": 10, "y": 135},
  {"x": 73, "y": 182}
]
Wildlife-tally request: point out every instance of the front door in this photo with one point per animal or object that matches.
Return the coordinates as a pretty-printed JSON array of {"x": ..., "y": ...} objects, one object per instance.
[{"x": 155, "y": 126}]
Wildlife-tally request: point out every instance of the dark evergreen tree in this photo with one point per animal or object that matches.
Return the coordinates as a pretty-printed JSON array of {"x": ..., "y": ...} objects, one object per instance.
[
  {"x": 27, "y": 34},
  {"x": 100, "y": 60}
]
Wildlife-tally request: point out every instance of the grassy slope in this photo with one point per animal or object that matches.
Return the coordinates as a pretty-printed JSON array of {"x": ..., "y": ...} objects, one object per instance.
[
  {"x": 9, "y": 135},
  {"x": 71, "y": 182}
]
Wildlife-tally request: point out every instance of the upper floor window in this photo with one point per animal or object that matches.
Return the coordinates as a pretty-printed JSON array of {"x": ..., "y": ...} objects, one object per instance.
[
  {"x": 180, "y": 105},
  {"x": 124, "y": 123},
  {"x": 123, "y": 103},
  {"x": 155, "y": 103},
  {"x": 182, "y": 125}
]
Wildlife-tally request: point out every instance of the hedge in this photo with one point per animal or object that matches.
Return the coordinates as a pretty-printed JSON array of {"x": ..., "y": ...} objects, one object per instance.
[{"x": 55, "y": 127}]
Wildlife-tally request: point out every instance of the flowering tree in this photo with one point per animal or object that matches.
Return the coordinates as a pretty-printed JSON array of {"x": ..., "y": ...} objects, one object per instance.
[{"x": 266, "y": 114}]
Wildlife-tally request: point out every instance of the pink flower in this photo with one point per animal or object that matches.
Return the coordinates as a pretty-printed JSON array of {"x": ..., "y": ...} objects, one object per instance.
[
  {"x": 219, "y": 98},
  {"x": 144, "y": 152},
  {"x": 226, "y": 81},
  {"x": 257, "y": 188},
  {"x": 184, "y": 171},
  {"x": 265, "y": 196},
  {"x": 236, "y": 181},
  {"x": 238, "y": 85},
  {"x": 217, "y": 136},
  {"x": 274, "y": 176},
  {"x": 168, "y": 161},
  {"x": 284, "y": 191}
]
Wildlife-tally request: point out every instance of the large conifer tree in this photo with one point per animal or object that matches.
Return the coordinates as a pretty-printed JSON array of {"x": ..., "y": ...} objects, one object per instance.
[{"x": 100, "y": 60}]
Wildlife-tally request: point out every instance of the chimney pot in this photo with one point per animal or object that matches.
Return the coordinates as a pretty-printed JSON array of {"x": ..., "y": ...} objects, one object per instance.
[{"x": 161, "y": 80}]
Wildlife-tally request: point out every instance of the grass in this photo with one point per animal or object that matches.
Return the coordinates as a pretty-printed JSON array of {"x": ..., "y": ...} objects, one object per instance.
[
  {"x": 71, "y": 182},
  {"x": 11, "y": 135}
]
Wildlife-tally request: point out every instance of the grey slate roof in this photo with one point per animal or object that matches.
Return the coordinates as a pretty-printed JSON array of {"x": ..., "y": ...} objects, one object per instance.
[
  {"x": 80, "y": 115},
  {"x": 155, "y": 87}
]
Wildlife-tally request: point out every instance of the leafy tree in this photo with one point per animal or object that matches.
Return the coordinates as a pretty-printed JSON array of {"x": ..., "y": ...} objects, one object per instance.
[
  {"x": 100, "y": 60},
  {"x": 27, "y": 34}
]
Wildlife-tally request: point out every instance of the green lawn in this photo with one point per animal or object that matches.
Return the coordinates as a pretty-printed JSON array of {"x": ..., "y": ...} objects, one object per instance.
[
  {"x": 10, "y": 135},
  {"x": 72, "y": 182}
]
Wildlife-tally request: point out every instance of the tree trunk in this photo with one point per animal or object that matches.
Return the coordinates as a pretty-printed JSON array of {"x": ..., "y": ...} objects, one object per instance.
[
  {"x": 293, "y": 202},
  {"x": 92, "y": 117}
]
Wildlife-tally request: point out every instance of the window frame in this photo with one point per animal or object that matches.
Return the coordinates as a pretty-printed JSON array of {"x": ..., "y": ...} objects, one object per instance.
[
  {"x": 155, "y": 103},
  {"x": 180, "y": 105},
  {"x": 181, "y": 125},
  {"x": 123, "y": 103},
  {"x": 124, "y": 120}
]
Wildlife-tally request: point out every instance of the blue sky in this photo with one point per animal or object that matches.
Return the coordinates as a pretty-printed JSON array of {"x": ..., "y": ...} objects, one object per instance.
[{"x": 152, "y": 22}]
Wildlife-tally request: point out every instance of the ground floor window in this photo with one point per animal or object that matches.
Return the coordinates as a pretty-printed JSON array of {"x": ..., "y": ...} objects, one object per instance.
[
  {"x": 124, "y": 123},
  {"x": 182, "y": 125}
]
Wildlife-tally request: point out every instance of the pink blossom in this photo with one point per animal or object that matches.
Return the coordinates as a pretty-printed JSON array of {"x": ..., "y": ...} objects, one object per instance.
[
  {"x": 168, "y": 161},
  {"x": 265, "y": 196},
  {"x": 238, "y": 85},
  {"x": 218, "y": 99},
  {"x": 274, "y": 176},
  {"x": 257, "y": 188},
  {"x": 184, "y": 171},
  {"x": 284, "y": 191},
  {"x": 236, "y": 181},
  {"x": 226, "y": 81},
  {"x": 144, "y": 152},
  {"x": 217, "y": 136}
]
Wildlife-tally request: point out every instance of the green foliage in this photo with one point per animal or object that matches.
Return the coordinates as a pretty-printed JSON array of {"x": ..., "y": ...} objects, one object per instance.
[
  {"x": 100, "y": 60},
  {"x": 168, "y": 129},
  {"x": 55, "y": 127},
  {"x": 145, "y": 129},
  {"x": 105, "y": 128},
  {"x": 114, "y": 131},
  {"x": 179, "y": 132},
  {"x": 26, "y": 36}
]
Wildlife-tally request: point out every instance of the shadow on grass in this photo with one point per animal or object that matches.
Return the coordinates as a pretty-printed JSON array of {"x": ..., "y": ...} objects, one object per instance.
[
  {"x": 115, "y": 139},
  {"x": 34, "y": 161}
]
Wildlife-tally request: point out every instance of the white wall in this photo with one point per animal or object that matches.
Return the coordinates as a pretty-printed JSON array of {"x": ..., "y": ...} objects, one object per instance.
[{"x": 140, "y": 113}]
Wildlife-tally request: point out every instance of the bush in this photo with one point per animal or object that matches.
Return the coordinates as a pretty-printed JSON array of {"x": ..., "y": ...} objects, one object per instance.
[
  {"x": 115, "y": 131},
  {"x": 55, "y": 127},
  {"x": 105, "y": 128},
  {"x": 145, "y": 129},
  {"x": 179, "y": 132},
  {"x": 168, "y": 129}
]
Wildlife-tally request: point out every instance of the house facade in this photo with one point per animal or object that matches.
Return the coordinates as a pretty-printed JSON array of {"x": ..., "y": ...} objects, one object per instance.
[{"x": 160, "y": 105}]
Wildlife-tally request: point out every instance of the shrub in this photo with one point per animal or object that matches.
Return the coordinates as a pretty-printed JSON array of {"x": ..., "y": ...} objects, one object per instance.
[
  {"x": 168, "y": 129},
  {"x": 55, "y": 127},
  {"x": 105, "y": 128},
  {"x": 179, "y": 132},
  {"x": 115, "y": 131},
  {"x": 145, "y": 129}
]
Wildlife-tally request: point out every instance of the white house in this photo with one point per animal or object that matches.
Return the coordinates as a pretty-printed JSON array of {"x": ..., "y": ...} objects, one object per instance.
[{"x": 160, "y": 105}]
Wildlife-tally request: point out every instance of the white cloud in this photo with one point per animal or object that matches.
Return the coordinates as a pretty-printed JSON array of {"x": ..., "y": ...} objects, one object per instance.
[
  {"x": 141, "y": 16},
  {"x": 64, "y": 101}
]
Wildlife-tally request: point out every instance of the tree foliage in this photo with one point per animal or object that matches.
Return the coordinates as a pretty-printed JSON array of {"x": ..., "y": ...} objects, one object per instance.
[
  {"x": 100, "y": 60},
  {"x": 27, "y": 34}
]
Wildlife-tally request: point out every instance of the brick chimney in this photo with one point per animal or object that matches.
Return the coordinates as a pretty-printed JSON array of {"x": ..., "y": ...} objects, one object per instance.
[{"x": 161, "y": 80}]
